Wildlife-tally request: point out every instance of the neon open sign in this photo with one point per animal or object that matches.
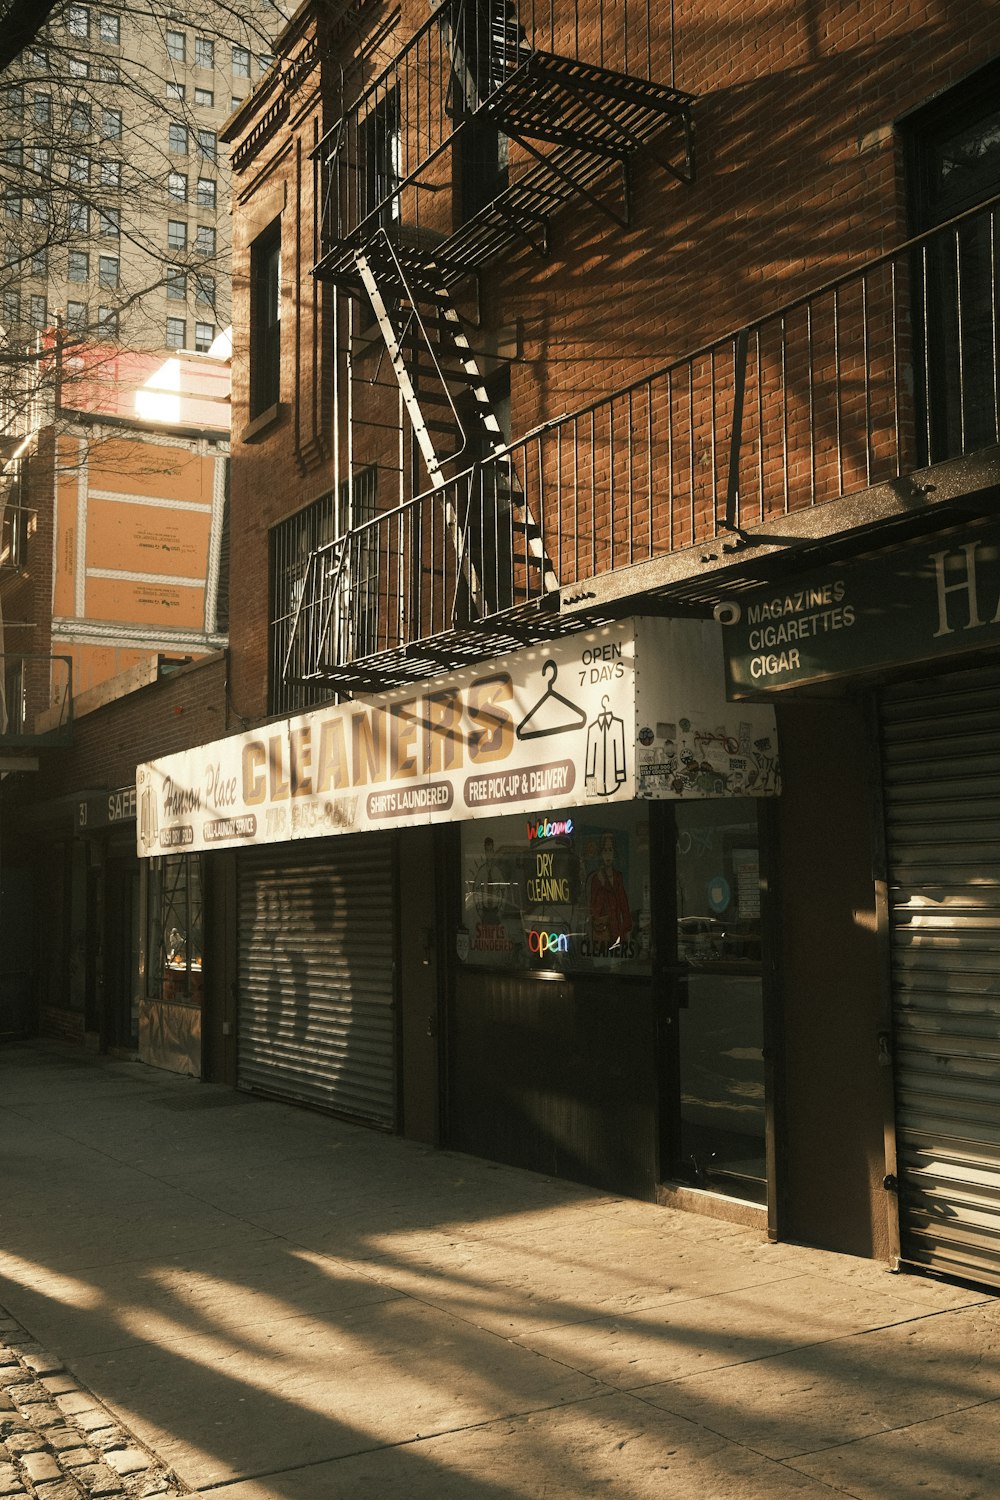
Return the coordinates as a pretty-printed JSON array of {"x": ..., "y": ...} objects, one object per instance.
[{"x": 548, "y": 942}]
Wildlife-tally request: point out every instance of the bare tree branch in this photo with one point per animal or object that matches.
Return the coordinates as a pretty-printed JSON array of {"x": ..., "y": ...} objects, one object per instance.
[{"x": 20, "y": 23}]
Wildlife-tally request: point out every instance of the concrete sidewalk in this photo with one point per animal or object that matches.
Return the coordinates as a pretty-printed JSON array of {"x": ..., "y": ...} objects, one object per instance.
[{"x": 278, "y": 1304}]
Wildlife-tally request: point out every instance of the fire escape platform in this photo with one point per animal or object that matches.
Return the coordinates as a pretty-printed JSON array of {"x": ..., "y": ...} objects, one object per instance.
[
  {"x": 574, "y": 103},
  {"x": 496, "y": 635},
  {"x": 576, "y": 122}
]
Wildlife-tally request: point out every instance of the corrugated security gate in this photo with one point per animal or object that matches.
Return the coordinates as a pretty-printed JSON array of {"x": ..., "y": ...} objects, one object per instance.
[
  {"x": 941, "y": 748},
  {"x": 316, "y": 1015}
]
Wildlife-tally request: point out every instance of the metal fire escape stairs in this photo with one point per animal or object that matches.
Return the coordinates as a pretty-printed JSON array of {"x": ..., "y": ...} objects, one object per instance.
[
  {"x": 590, "y": 119},
  {"x": 455, "y": 425}
]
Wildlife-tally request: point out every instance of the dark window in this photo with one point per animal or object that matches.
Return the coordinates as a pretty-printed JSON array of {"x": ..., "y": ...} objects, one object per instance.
[
  {"x": 265, "y": 320},
  {"x": 222, "y": 592},
  {"x": 381, "y": 148},
  {"x": 483, "y": 159},
  {"x": 483, "y": 150},
  {"x": 953, "y": 161}
]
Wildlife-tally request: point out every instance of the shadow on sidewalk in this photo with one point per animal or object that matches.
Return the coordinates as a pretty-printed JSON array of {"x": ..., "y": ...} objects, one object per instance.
[{"x": 258, "y": 1290}]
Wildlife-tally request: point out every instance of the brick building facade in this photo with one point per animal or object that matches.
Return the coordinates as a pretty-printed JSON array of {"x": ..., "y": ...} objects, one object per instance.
[
  {"x": 614, "y": 472},
  {"x": 113, "y": 581}
]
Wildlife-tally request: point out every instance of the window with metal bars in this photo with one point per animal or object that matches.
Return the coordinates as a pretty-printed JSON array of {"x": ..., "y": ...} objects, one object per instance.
[
  {"x": 300, "y": 595},
  {"x": 174, "y": 928},
  {"x": 292, "y": 544}
]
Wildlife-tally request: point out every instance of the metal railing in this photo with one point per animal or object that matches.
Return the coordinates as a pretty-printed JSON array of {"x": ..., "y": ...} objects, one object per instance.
[
  {"x": 882, "y": 371},
  {"x": 378, "y": 162}
]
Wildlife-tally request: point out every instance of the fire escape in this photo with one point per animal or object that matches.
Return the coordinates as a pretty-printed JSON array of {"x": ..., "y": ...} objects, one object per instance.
[{"x": 489, "y": 95}]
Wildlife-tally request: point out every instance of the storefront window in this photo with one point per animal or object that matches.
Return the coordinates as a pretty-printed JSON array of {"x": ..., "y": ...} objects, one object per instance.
[
  {"x": 174, "y": 913},
  {"x": 565, "y": 891}
]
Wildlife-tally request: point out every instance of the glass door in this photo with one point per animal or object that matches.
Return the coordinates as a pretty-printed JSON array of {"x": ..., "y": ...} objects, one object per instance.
[{"x": 714, "y": 1117}]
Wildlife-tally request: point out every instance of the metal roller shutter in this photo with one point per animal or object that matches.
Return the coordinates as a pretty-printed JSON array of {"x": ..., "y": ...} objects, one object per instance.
[
  {"x": 941, "y": 747},
  {"x": 316, "y": 1014}
]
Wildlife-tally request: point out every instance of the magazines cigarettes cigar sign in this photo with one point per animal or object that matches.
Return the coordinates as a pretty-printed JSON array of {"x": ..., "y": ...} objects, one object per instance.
[{"x": 634, "y": 709}]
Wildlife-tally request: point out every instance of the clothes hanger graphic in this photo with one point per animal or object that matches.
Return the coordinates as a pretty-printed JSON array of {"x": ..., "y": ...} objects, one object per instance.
[{"x": 533, "y": 726}]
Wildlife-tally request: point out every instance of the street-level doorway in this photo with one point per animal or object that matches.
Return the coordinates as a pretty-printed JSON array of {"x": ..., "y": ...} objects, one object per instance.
[{"x": 713, "y": 1098}]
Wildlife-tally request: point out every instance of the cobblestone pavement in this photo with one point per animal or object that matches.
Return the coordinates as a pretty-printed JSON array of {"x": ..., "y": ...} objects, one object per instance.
[{"x": 57, "y": 1442}]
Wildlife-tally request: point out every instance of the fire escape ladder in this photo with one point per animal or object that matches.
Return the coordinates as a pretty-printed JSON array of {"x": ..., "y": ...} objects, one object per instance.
[
  {"x": 442, "y": 385},
  {"x": 444, "y": 390}
]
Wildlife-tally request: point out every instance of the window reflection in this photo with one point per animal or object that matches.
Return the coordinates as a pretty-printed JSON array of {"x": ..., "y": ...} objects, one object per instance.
[
  {"x": 721, "y": 1137},
  {"x": 175, "y": 928},
  {"x": 566, "y": 891}
]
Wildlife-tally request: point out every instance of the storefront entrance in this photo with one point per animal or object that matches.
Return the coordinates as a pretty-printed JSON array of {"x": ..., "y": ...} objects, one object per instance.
[
  {"x": 316, "y": 963},
  {"x": 607, "y": 1006},
  {"x": 713, "y": 1115}
]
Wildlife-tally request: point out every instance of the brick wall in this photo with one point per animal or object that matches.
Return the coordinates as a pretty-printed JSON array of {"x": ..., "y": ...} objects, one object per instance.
[{"x": 799, "y": 178}]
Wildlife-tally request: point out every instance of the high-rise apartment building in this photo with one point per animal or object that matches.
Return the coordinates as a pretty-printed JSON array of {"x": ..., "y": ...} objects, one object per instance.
[{"x": 114, "y": 201}]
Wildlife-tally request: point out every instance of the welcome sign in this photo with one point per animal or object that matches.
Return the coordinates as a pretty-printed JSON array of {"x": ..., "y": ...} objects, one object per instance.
[{"x": 631, "y": 709}]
